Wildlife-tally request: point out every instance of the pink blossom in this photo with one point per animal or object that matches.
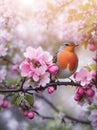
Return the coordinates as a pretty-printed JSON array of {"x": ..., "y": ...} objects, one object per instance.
[
  {"x": 29, "y": 53},
  {"x": 36, "y": 65},
  {"x": 44, "y": 79},
  {"x": 43, "y": 57},
  {"x": 41, "y": 76},
  {"x": 83, "y": 76},
  {"x": 26, "y": 68},
  {"x": 3, "y": 50},
  {"x": 93, "y": 118},
  {"x": 92, "y": 47},
  {"x": 38, "y": 72}
]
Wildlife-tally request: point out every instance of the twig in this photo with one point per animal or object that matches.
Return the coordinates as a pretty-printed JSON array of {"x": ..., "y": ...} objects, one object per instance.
[{"x": 46, "y": 117}]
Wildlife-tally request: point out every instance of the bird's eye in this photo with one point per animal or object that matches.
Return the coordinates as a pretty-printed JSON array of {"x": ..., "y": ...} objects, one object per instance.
[{"x": 66, "y": 44}]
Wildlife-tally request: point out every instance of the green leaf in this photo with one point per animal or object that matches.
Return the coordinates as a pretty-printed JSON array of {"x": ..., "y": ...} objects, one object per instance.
[
  {"x": 14, "y": 99},
  {"x": 18, "y": 79},
  {"x": 93, "y": 66},
  {"x": 10, "y": 81},
  {"x": 29, "y": 99},
  {"x": 88, "y": 68},
  {"x": 19, "y": 99}
]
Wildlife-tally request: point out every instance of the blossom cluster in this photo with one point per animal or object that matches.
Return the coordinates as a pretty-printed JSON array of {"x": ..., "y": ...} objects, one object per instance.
[
  {"x": 85, "y": 79},
  {"x": 86, "y": 92},
  {"x": 38, "y": 66}
]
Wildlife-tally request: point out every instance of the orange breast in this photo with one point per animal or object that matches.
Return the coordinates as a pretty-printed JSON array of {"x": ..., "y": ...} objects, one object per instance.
[{"x": 67, "y": 58}]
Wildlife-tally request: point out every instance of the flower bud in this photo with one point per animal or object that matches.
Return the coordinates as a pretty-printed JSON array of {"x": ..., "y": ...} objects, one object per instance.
[
  {"x": 94, "y": 58},
  {"x": 5, "y": 104},
  {"x": 90, "y": 92},
  {"x": 25, "y": 113},
  {"x": 30, "y": 115},
  {"x": 93, "y": 73},
  {"x": 92, "y": 47},
  {"x": 77, "y": 97},
  {"x": 53, "y": 69},
  {"x": 80, "y": 91},
  {"x": 51, "y": 89}
]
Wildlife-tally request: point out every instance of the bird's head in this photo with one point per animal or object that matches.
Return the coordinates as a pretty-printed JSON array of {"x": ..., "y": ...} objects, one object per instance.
[{"x": 69, "y": 46}]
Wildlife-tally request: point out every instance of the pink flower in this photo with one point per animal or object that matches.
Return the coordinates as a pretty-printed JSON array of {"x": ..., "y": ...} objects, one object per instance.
[
  {"x": 30, "y": 53},
  {"x": 41, "y": 76},
  {"x": 38, "y": 72},
  {"x": 93, "y": 118},
  {"x": 44, "y": 79},
  {"x": 83, "y": 77},
  {"x": 26, "y": 68},
  {"x": 45, "y": 58},
  {"x": 38, "y": 55}
]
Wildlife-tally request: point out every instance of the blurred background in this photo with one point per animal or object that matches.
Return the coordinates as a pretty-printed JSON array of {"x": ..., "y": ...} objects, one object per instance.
[{"x": 45, "y": 23}]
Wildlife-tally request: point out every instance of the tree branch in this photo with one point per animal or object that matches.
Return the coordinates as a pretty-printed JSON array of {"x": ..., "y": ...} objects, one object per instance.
[
  {"x": 58, "y": 111},
  {"x": 30, "y": 88}
]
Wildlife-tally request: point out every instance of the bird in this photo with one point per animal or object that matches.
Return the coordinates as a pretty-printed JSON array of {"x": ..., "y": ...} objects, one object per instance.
[{"x": 67, "y": 60}]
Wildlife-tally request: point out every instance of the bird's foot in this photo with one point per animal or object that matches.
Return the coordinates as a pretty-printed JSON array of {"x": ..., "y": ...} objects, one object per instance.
[{"x": 71, "y": 80}]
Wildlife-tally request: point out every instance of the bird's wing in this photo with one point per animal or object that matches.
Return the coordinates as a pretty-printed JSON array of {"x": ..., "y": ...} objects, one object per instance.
[{"x": 55, "y": 58}]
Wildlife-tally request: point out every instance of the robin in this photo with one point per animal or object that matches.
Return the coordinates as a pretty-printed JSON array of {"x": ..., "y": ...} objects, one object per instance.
[{"x": 67, "y": 60}]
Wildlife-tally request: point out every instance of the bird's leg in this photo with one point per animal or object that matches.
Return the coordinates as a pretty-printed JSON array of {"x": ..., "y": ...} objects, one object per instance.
[
  {"x": 71, "y": 80},
  {"x": 53, "y": 78}
]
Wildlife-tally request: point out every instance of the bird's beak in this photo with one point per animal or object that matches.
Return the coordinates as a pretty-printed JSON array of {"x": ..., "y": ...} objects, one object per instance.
[{"x": 76, "y": 45}]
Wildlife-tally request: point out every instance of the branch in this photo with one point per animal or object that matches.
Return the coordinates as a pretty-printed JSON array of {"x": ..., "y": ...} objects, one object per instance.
[
  {"x": 30, "y": 88},
  {"x": 58, "y": 111},
  {"x": 46, "y": 117}
]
